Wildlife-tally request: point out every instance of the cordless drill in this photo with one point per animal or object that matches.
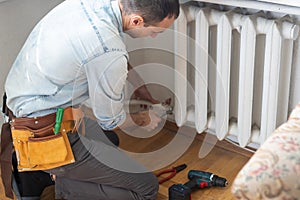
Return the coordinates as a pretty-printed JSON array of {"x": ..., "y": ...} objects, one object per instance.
[{"x": 197, "y": 179}]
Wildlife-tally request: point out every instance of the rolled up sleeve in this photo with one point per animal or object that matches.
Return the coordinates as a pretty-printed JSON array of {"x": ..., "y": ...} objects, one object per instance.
[{"x": 107, "y": 76}]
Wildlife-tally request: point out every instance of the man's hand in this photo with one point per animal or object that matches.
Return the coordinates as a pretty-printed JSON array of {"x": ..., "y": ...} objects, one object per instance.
[
  {"x": 147, "y": 120},
  {"x": 144, "y": 94}
]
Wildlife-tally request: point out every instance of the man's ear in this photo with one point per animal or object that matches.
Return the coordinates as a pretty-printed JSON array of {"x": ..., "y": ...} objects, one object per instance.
[{"x": 136, "y": 21}]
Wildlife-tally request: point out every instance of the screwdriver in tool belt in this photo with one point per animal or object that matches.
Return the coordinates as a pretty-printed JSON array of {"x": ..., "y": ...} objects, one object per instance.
[{"x": 58, "y": 120}]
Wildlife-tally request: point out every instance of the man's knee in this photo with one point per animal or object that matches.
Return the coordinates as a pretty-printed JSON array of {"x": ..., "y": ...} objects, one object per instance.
[{"x": 152, "y": 189}]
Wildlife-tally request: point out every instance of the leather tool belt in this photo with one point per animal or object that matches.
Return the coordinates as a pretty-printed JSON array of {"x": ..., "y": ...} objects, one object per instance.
[{"x": 35, "y": 144}]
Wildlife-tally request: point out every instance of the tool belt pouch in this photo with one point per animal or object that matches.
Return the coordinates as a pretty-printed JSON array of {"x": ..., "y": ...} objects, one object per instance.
[{"x": 41, "y": 149}]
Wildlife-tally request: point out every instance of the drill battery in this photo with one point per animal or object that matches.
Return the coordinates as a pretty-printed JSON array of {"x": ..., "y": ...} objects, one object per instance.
[{"x": 180, "y": 192}]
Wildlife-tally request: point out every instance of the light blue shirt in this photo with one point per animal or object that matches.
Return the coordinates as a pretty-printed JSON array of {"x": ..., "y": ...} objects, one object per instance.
[{"x": 75, "y": 53}]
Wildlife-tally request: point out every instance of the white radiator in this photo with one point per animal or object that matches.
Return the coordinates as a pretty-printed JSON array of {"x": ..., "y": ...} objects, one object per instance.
[{"x": 238, "y": 62}]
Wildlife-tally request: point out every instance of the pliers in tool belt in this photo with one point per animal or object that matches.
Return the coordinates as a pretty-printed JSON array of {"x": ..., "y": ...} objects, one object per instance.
[{"x": 173, "y": 172}]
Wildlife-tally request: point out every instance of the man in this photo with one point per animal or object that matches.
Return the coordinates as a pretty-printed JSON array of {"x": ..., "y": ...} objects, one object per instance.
[{"x": 74, "y": 54}]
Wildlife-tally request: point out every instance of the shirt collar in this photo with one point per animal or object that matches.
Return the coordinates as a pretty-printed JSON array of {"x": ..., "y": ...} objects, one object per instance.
[{"x": 117, "y": 12}]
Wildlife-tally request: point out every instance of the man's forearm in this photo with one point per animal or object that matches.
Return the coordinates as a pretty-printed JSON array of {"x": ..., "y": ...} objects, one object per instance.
[
  {"x": 141, "y": 90},
  {"x": 134, "y": 78}
]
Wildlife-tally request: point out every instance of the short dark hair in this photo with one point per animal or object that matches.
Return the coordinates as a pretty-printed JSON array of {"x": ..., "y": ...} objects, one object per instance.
[{"x": 152, "y": 11}]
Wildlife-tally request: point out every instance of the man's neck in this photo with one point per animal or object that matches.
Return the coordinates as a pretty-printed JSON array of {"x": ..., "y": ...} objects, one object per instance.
[{"x": 124, "y": 18}]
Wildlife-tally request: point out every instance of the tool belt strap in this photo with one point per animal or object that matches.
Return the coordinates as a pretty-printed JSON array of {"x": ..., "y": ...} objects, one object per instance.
[{"x": 38, "y": 123}]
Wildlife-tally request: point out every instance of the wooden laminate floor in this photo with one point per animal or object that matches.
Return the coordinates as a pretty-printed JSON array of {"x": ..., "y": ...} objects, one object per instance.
[{"x": 224, "y": 160}]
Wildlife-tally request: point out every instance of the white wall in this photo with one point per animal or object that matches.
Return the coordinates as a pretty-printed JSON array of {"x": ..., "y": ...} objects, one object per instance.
[
  {"x": 17, "y": 18},
  {"x": 154, "y": 61}
]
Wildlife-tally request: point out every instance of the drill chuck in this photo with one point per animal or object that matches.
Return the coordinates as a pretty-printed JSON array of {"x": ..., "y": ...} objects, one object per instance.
[{"x": 219, "y": 181}]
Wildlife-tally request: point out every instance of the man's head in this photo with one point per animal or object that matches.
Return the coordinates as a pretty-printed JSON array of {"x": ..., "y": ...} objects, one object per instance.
[{"x": 148, "y": 17}]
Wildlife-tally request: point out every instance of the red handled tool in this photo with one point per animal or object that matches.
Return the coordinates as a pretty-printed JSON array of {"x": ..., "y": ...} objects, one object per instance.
[{"x": 173, "y": 172}]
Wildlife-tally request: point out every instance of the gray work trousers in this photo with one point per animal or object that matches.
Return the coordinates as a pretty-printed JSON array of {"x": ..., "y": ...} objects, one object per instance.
[{"x": 101, "y": 171}]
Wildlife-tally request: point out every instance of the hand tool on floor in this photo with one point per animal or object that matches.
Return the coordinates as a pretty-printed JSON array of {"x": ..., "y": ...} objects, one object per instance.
[
  {"x": 197, "y": 180},
  {"x": 173, "y": 172}
]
